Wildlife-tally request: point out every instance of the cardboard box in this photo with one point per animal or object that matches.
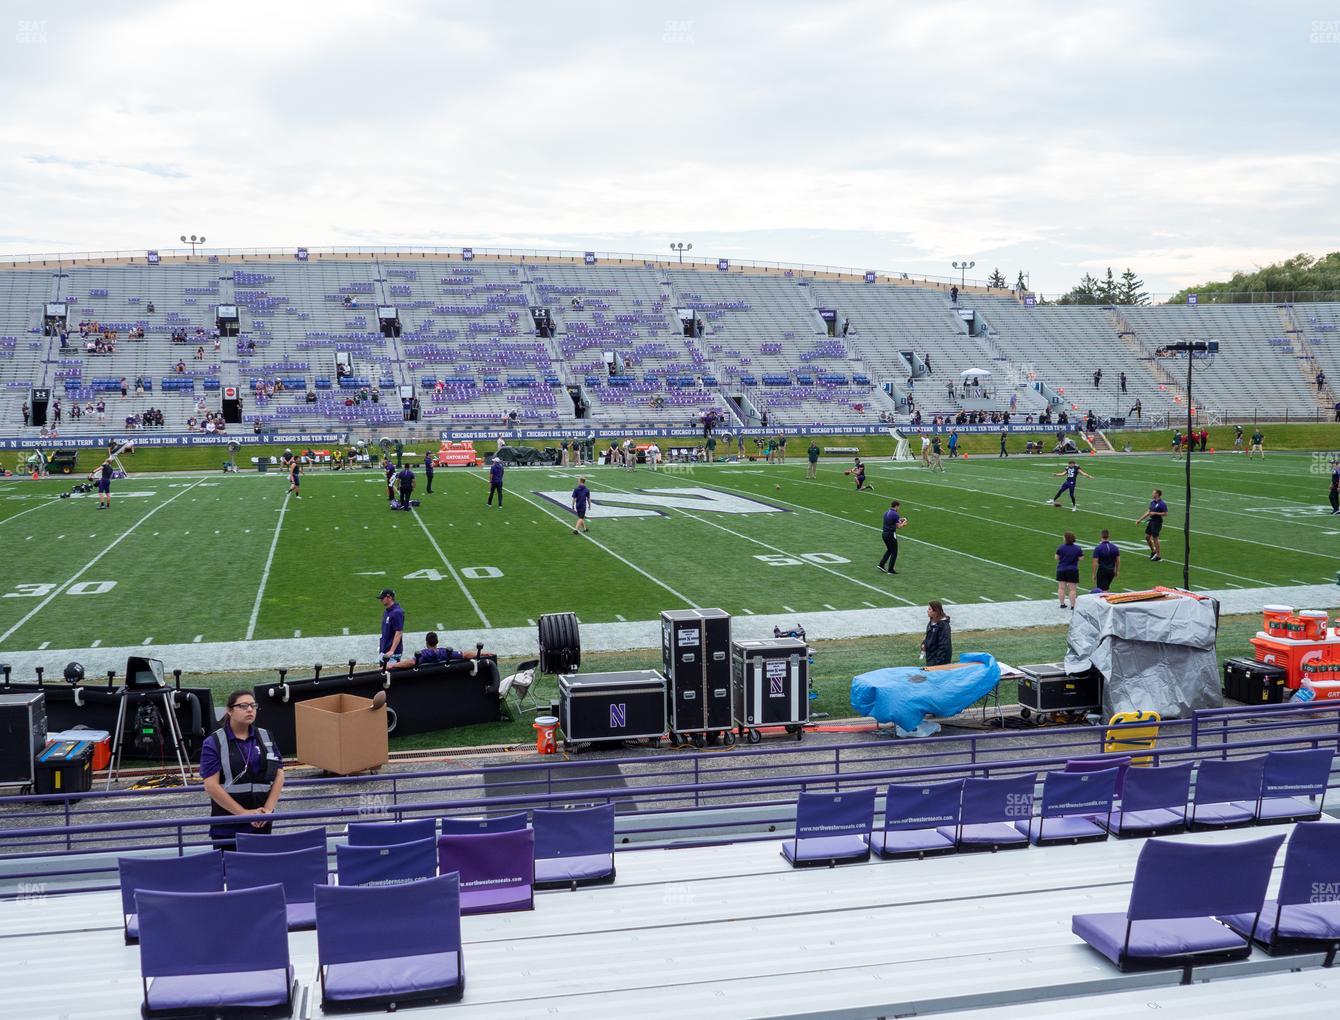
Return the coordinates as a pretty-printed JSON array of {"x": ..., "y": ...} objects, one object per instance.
[{"x": 341, "y": 733}]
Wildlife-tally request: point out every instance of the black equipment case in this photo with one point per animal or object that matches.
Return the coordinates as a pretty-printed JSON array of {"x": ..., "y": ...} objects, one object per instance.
[
  {"x": 770, "y": 685},
  {"x": 23, "y": 733},
  {"x": 65, "y": 767},
  {"x": 1254, "y": 683},
  {"x": 695, "y": 647},
  {"x": 611, "y": 706},
  {"x": 1047, "y": 688}
]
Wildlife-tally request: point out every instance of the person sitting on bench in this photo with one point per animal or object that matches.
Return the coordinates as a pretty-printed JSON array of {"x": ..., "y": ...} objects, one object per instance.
[{"x": 431, "y": 654}]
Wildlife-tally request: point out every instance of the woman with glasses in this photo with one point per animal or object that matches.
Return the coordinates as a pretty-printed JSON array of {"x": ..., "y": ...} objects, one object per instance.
[{"x": 242, "y": 771}]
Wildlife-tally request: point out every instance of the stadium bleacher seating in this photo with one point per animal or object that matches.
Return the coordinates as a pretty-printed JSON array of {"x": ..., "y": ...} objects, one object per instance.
[
  {"x": 299, "y": 872},
  {"x": 469, "y": 348}
]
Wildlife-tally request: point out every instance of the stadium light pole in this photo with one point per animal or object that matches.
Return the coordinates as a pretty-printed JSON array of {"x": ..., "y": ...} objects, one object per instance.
[
  {"x": 681, "y": 248},
  {"x": 192, "y": 241},
  {"x": 962, "y": 268},
  {"x": 1190, "y": 348}
]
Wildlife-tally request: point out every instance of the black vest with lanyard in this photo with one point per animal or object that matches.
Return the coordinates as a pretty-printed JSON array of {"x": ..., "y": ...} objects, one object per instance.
[{"x": 246, "y": 779}]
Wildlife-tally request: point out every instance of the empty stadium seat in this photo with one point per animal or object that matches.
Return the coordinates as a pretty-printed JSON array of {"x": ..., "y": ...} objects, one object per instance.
[
  {"x": 387, "y": 833},
  {"x": 989, "y": 810},
  {"x": 913, "y": 815},
  {"x": 497, "y": 869},
  {"x": 1177, "y": 892},
  {"x": 574, "y": 847},
  {"x": 215, "y": 953},
  {"x": 280, "y": 842},
  {"x": 1153, "y": 802},
  {"x": 1073, "y": 808},
  {"x": 385, "y": 865},
  {"x": 496, "y": 823},
  {"x": 1226, "y": 793},
  {"x": 391, "y": 946},
  {"x": 831, "y": 829},
  {"x": 198, "y": 872},
  {"x": 1304, "y": 916},
  {"x": 298, "y": 871},
  {"x": 1293, "y": 786}
]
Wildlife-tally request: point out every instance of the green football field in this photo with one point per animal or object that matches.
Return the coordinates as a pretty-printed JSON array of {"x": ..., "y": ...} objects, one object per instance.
[{"x": 223, "y": 558}]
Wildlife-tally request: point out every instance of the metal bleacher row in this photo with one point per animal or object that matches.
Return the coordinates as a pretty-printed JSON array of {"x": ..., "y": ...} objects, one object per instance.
[
  {"x": 706, "y": 915},
  {"x": 471, "y": 352}
]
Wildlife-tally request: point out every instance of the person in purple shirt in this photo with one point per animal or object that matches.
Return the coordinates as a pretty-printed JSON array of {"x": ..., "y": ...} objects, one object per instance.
[
  {"x": 392, "y": 647},
  {"x": 405, "y": 479},
  {"x": 1106, "y": 563},
  {"x": 581, "y": 499},
  {"x": 495, "y": 481},
  {"x": 432, "y": 653},
  {"x": 893, "y": 522},
  {"x": 1072, "y": 472},
  {"x": 1068, "y": 555},
  {"x": 242, "y": 770},
  {"x": 1155, "y": 514}
]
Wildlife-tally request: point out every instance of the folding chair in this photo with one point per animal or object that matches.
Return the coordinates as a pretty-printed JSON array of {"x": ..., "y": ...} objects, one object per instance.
[
  {"x": 497, "y": 869},
  {"x": 498, "y": 823},
  {"x": 989, "y": 810},
  {"x": 574, "y": 847},
  {"x": 1153, "y": 802},
  {"x": 831, "y": 829},
  {"x": 298, "y": 871},
  {"x": 1226, "y": 793},
  {"x": 199, "y": 872},
  {"x": 391, "y": 833},
  {"x": 385, "y": 865},
  {"x": 280, "y": 842},
  {"x": 390, "y": 946},
  {"x": 1178, "y": 890},
  {"x": 1305, "y": 914},
  {"x": 215, "y": 953},
  {"x": 1287, "y": 778},
  {"x": 912, "y": 817},
  {"x": 1073, "y": 803}
]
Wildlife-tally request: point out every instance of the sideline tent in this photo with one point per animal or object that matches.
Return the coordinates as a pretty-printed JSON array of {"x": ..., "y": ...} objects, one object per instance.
[{"x": 975, "y": 373}]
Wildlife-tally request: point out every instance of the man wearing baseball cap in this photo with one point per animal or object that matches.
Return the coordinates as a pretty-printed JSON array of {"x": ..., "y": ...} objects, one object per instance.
[{"x": 393, "y": 628}]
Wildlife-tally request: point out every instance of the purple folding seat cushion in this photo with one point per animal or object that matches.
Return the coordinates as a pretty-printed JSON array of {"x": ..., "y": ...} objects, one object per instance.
[{"x": 1154, "y": 939}]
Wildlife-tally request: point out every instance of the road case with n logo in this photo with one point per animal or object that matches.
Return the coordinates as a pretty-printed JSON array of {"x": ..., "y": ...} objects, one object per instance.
[
  {"x": 770, "y": 685},
  {"x": 695, "y": 647},
  {"x": 611, "y": 706}
]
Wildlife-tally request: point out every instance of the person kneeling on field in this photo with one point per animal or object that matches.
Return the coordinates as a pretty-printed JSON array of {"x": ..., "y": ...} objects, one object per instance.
[{"x": 432, "y": 653}]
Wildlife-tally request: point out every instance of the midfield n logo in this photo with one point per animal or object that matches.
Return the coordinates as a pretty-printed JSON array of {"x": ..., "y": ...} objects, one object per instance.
[{"x": 655, "y": 502}]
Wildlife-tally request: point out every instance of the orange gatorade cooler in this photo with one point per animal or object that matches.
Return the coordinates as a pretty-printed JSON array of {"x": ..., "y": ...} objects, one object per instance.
[
  {"x": 1298, "y": 658},
  {"x": 1314, "y": 624},
  {"x": 545, "y": 742},
  {"x": 1273, "y": 619}
]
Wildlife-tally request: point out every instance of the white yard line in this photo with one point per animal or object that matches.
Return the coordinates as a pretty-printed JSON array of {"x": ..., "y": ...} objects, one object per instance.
[
  {"x": 452, "y": 571},
  {"x": 265, "y": 574},
  {"x": 39, "y": 506},
  {"x": 601, "y": 545},
  {"x": 93, "y": 562}
]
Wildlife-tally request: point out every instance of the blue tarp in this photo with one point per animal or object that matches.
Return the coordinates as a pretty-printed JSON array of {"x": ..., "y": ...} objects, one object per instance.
[{"x": 905, "y": 695}]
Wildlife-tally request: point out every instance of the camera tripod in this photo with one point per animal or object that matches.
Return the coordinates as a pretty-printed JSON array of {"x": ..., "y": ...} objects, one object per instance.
[{"x": 166, "y": 704}]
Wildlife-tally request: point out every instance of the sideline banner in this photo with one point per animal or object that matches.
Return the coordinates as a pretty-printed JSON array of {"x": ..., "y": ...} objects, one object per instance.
[
  {"x": 688, "y": 432},
  {"x": 146, "y": 439}
]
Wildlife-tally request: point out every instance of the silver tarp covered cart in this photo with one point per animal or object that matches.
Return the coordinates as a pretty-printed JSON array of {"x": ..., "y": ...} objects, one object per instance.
[{"x": 1154, "y": 656}]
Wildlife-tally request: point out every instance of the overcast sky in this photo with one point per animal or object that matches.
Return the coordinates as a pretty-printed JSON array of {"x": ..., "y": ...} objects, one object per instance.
[{"x": 1185, "y": 140}]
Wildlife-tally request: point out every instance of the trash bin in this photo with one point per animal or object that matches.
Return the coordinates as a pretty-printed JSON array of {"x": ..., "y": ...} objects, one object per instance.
[
  {"x": 545, "y": 742},
  {"x": 262, "y": 464}
]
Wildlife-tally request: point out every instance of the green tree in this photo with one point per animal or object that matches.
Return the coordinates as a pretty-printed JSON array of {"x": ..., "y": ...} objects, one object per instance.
[
  {"x": 996, "y": 279},
  {"x": 1086, "y": 292},
  {"x": 1303, "y": 277},
  {"x": 1107, "y": 290},
  {"x": 1019, "y": 284},
  {"x": 1131, "y": 290}
]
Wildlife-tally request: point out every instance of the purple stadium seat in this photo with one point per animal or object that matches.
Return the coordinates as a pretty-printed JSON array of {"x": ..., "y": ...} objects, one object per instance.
[
  {"x": 1305, "y": 914},
  {"x": 1071, "y": 806},
  {"x": 388, "y": 833},
  {"x": 574, "y": 847},
  {"x": 498, "y": 823},
  {"x": 1178, "y": 890},
  {"x": 385, "y": 865},
  {"x": 1293, "y": 785},
  {"x": 298, "y": 871},
  {"x": 831, "y": 829},
  {"x": 399, "y": 944},
  {"x": 990, "y": 809},
  {"x": 497, "y": 869},
  {"x": 1226, "y": 793},
  {"x": 912, "y": 818},
  {"x": 200, "y": 872},
  {"x": 280, "y": 842},
  {"x": 1153, "y": 802},
  {"x": 212, "y": 953},
  {"x": 1121, "y": 764}
]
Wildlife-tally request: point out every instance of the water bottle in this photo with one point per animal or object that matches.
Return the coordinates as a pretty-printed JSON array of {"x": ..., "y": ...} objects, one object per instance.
[{"x": 1305, "y": 691}]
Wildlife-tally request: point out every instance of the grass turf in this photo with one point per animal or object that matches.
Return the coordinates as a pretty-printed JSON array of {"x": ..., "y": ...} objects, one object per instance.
[{"x": 227, "y": 558}]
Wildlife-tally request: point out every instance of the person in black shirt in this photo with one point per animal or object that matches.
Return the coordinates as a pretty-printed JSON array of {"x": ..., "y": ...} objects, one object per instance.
[
  {"x": 104, "y": 474},
  {"x": 405, "y": 479},
  {"x": 1335, "y": 486},
  {"x": 938, "y": 647}
]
